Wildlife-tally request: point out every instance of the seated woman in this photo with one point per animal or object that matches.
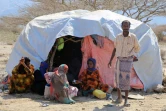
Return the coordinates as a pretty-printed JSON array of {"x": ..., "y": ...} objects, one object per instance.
[
  {"x": 90, "y": 80},
  {"x": 39, "y": 79},
  {"x": 22, "y": 77},
  {"x": 62, "y": 91}
]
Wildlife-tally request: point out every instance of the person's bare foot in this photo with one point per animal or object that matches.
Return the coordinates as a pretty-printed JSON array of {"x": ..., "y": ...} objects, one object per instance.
[
  {"x": 117, "y": 101},
  {"x": 126, "y": 104}
]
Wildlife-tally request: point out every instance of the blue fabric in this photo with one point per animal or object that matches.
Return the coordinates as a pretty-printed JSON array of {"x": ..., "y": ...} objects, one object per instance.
[
  {"x": 67, "y": 85},
  {"x": 85, "y": 93},
  {"x": 94, "y": 64},
  {"x": 68, "y": 101},
  {"x": 48, "y": 85},
  {"x": 43, "y": 68}
]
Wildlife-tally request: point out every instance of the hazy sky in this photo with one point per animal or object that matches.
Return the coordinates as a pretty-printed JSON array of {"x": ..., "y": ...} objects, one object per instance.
[
  {"x": 4, "y": 4},
  {"x": 159, "y": 20},
  {"x": 8, "y": 7}
]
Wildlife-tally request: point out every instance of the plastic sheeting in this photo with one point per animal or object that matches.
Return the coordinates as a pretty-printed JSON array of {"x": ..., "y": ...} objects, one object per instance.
[
  {"x": 102, "y": 56},
  {"x": 39, "y": 35}
]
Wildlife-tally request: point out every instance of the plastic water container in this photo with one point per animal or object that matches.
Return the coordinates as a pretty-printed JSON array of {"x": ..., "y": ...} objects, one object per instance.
[
  {"x": 47, "y": 91},
  {"x": 99, "y": 94}
]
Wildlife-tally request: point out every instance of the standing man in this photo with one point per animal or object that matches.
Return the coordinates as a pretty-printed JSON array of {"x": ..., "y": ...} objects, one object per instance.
[{"x": 126, "y": 45}]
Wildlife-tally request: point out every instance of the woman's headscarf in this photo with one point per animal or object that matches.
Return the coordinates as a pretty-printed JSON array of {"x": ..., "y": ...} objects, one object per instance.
[
  {"x": 62, "y": 70},
  {"x": 21, "y": 67},
  {"x": 43, "y": 67},
  {"x": 94, "y": 64}
]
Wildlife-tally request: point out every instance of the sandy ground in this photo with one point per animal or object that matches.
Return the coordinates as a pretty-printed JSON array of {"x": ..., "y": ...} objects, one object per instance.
[{"x": 32, "y": 102}]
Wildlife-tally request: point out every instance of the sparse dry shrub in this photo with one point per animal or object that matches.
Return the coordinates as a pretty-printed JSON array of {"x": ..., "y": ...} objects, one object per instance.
[{"x": 158, "y": 30}]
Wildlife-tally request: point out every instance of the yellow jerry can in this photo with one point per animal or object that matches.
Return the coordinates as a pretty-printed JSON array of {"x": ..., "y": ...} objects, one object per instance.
[{"x": 99, "y": 94}]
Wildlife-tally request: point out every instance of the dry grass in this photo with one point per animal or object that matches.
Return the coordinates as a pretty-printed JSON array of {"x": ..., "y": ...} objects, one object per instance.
[
  {"x": 158, "y": 30},
  {"x": 8, "y": 37},
  {"x": 163, "y": 54}
]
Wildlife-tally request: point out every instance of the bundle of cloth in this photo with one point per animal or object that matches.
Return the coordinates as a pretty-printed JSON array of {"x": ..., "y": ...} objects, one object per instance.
[{"x": 59, "y": 85}]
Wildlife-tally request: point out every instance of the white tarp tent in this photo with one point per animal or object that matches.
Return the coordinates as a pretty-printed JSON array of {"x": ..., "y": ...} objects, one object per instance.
[{"x": 39, "y": 35}]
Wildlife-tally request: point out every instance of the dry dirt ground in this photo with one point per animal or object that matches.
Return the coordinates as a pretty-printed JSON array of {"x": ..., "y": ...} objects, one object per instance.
[{"x": 32, "y": 102}]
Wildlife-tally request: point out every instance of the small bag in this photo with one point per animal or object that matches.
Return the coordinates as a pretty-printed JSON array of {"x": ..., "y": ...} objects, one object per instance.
[
  {"x": 60, "y": 44},
  {"x": 135, "y": 59},
  {"x": 99, "y": 94}
]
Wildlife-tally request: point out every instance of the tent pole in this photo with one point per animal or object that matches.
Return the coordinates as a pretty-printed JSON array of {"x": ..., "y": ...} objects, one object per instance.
[{"x": 52, "y": 58}]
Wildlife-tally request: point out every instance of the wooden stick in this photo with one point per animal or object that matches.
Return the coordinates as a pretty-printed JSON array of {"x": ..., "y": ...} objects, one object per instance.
[
  {"x": 53, "y": 54},
  {"x": 52, "y": 58}
]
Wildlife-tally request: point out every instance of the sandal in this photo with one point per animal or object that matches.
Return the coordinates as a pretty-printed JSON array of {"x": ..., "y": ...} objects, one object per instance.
[
  {"x": 72, "y": 101},
  {"x": 44, "y": 105},
  {"x": 117, "y": 101},
  {"x": 108, "y": 96}
]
